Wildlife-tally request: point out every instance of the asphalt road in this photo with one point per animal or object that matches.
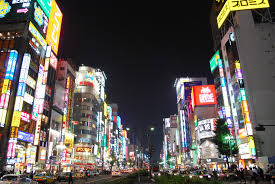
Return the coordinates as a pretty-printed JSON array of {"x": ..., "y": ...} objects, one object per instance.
[{"x": 95, "y": 180}]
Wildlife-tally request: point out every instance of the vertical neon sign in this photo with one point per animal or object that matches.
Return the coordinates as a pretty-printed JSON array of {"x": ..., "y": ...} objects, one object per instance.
[
  {"x": 4, "y": 100},
  {"x": 225, "y": 97}
]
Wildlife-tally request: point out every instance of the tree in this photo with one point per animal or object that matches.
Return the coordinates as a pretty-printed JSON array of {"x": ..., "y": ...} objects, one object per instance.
[{"x": 223, "y": 139}]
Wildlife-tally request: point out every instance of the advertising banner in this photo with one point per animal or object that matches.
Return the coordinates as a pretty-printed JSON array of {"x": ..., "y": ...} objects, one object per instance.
[
  {"x": 23, "y": 136},
  {"x": 206, "y": 128},
  {"x": 204, "y": 95},
  {"x": 54, "y": 27},
  {"x": 223, "y": 8}
]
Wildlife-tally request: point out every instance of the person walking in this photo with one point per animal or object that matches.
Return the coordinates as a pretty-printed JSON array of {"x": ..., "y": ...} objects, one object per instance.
[
  {"x": 242, "y": 175},
  {"x": 70, "y": 181},
  {"x": 86, "y": 175},
  {"x": 255, "y": 175}
]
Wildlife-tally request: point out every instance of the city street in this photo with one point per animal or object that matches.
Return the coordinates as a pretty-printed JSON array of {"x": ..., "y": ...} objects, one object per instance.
[{"x": 137, "y": 92}]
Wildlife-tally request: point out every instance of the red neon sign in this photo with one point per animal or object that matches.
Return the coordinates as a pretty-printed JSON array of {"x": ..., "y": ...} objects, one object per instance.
[{"x": 204, "y": 95}]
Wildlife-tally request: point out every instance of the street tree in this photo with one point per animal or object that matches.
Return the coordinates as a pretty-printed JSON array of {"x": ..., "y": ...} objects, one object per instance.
[{"x": 225, "y": 142}]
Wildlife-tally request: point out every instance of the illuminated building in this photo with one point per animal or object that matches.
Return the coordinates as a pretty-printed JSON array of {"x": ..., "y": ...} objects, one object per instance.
[
  {"x": 88, "y": 117},
  {"x": 241, "y": 40},
  {"x": 204, "y": 114},
  {"x": 61, "y": 130},
  {"x": 186, "y": 120},
  {"x": 171, "y": 142},
  {"x": 27, "y": 80}
]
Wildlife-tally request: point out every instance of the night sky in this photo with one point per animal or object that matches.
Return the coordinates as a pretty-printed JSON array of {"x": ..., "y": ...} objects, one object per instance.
[{"x": 142, "y": 46}]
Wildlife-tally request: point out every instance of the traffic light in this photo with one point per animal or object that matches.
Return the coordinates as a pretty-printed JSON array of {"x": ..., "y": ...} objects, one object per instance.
[{"x": 260, "y": 128}]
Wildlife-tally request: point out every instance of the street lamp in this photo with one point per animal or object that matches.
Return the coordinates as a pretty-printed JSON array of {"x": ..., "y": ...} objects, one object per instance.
[
  {"x": 152, "y": 129},
  {"x": 128, "y": 129}
]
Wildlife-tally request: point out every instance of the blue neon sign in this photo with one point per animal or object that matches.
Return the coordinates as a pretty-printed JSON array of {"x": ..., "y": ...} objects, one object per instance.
[
  {"x": 11, "y": 65},
  {"x": 23, "y": 136}
]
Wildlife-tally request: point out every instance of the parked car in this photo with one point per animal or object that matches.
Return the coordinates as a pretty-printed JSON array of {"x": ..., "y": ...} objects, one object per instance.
[
  {"x": 44, "y": 178},
  {"x": 16, "y": 179}
]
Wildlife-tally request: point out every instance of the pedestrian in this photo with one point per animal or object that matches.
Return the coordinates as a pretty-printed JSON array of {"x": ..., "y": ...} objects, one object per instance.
[
  {"x": 215, "y": 174},
  {"x": 86, "y": 174},
  {"x": 261, "y": 173},
  {"x": 255, "y": 175},
  {"x": 70, "y": 181},
  {"x": 31, "y": 175},
  {"x": 242, "y": 175}
]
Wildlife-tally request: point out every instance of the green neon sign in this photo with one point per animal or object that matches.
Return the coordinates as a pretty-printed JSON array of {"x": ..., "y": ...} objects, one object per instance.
[
  {"x": 214, "y": 61},
  {"x": 46, "y": 5}
]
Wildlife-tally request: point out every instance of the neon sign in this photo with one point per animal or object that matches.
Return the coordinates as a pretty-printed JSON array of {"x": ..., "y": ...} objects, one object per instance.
[
  {"x": 37, "y": 35},
  {"x": 25, "y": 136},
  {"x": 46, "y": 6},
  {"x": 4, "y": 8},
  {"x": 53, "y": 32},
  {"x": 4, "y": 100},
  {"x": 25, "y": 116},
  {"x": 204, "y": 95},
  {"x": 236, "y": 5}
]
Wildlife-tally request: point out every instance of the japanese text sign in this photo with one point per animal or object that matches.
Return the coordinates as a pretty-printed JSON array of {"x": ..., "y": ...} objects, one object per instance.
[{"x": 204, "y": 95}]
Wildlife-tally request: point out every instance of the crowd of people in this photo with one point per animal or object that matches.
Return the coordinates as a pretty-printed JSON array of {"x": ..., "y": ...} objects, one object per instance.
[{"x": 256, "y": 174}]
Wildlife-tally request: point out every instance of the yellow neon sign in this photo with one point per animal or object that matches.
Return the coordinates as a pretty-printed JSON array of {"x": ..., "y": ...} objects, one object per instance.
[
  {"x": 16, "y": 119},
  {"x": 236, "y": 5}
]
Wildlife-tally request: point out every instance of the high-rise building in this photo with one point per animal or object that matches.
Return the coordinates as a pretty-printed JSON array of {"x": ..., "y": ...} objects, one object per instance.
[
  {"x": 185, "y": 119},
  {"x": 61, "y": 130},
  {"x": 88, "y": 105},
  {"x": 28, "y": 59},
  {"x": 242, "y": 67}
]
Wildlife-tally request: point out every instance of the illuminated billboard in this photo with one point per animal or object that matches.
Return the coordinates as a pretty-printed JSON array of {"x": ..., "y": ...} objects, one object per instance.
[
  {"x": 40, "y": 19},
  {"x": 204, "y": 95},
  {"x": 23, "y": 136},
  {"x": 4, "y": 100},
  {"x": 37, "y": 35},
  {"x": 206, "y": 128},
  {"x": 15, "y": 10},
  {"x": 46, "y": 6},
  {"x": 54, "y": 27},
  {"x": 236, "y": 5},
  {"x": 214, "y": 61}
]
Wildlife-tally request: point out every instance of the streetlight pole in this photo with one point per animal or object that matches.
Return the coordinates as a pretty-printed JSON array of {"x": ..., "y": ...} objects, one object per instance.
[{"x": 150, "y": 150}]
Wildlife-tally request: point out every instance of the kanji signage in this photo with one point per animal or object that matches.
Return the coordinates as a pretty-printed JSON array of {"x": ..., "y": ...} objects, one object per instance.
[
  {"x": 204, "y": 95},
  {"x": 237, "y": 5}
]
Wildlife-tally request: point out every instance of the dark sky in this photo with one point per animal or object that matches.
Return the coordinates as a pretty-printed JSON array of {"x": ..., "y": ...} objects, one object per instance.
[{"x": 142, "y": 46}]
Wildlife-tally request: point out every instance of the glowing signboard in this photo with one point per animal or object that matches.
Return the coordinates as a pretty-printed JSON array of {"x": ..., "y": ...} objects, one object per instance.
[
  {"x": 23, "y": 136},
  {"x": 40, "y": 19},
  {"x": 31, "y": 82},
  {"x": 37, "y": 130},
  {"x": 37, "y": 36},
  {"x": 11, "y": 65},
  {"x": 206, "y": 128},
  {"x": 214, "y": 61},
  {"x": 4, "y": 8},
  {"x": 54, "y": 28},
  {"x": 83, "y": 149},
  {"x": 236, "y": 5},
  {"x": 46, "y": 6},
  {"x": 28, "y": 98},
  {"x": 204, "y": 95},
  {"x": 25, "y": 116}
]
